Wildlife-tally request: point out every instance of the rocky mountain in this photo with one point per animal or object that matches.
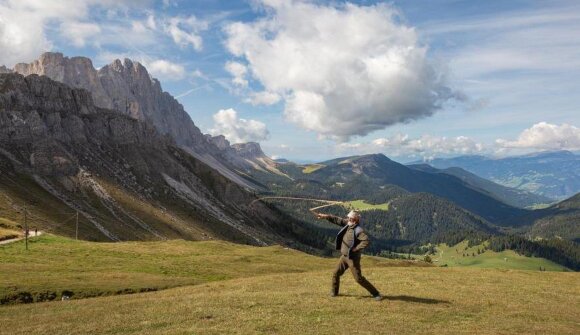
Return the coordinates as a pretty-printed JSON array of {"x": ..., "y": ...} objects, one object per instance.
[
  {"x": 126, "y": 87},
  {"x": 61, "y": 154},
  {"x": 511, "y": 196},
  {"x": 554, "y": 175}
]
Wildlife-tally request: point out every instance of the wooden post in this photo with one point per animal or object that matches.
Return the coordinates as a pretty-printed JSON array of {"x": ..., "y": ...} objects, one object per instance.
[
  {"x": 25, "y": 229},
  {"x": 77, "y": 227}
]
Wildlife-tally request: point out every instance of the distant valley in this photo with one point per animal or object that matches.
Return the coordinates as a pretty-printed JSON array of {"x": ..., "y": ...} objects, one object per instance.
[{"x": 554, "y": 175}]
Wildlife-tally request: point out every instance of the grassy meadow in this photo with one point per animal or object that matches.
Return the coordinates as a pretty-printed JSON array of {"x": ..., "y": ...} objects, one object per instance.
[
  {"x": 55, "y": 264},
  {"x": 427, "y": 300},
  {"x": 6, "y": 234},
  {"x": 216, "y": 287},
  {"x": 362, "y": 205},
  {"x": 312, "y": 167},
  {"x": 508, "y": 259}
]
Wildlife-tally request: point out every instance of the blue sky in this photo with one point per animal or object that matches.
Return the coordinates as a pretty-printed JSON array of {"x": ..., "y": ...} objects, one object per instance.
[{"x": 312, "y": 80}]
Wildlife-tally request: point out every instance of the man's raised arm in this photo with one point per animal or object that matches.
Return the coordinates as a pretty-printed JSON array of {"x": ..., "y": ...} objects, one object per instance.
[{"x": 332, "y": 218}]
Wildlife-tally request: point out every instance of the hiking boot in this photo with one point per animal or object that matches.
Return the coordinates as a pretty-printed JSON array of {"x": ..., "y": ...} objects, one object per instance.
[{"x": 378, "y": 297}]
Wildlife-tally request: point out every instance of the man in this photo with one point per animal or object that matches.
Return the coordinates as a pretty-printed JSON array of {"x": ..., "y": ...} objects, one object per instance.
[{"x": 351, "y": 240}]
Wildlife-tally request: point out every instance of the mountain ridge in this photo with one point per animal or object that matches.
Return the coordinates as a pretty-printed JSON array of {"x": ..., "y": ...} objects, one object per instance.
[
  {"x": 127, "y": 87},
  {"x": 60, "y": 153},
  {"x": 508, "y": 195}
]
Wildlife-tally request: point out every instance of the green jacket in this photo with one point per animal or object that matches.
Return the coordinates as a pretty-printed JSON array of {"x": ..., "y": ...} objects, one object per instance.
[{"x": 349, "y": 240}]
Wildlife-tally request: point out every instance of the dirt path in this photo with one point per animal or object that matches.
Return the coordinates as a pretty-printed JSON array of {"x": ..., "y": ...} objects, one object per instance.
[{"x": 12, "y": 240}]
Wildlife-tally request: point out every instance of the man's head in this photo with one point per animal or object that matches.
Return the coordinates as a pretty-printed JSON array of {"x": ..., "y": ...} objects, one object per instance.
[{"x": 353, "y": 217}]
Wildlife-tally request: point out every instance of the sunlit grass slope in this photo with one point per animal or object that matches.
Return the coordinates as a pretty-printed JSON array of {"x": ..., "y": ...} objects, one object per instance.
[
  {"x": 362, "y": 205},
  {"x": 462, "y": 255},
  {"x": 418, "y": 301},
  {"x": 312, "y": 167},
  {"x": 54, "y": 265}
]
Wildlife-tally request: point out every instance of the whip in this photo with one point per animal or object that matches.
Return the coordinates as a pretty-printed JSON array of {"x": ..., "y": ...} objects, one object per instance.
[{"x": 327, "y": 203}]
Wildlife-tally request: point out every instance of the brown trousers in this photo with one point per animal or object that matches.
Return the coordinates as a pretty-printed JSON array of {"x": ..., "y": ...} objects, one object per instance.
[{"x": 354, "y": 266}]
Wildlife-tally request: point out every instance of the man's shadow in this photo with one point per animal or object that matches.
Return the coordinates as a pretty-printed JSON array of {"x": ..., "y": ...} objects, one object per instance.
[
  {"x": 405, "y": 298},
  {"x": 419, "y": 300}
]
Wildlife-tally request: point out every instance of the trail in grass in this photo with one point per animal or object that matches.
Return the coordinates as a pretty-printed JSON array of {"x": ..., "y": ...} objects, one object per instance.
[{"x": 12, "y": 240}]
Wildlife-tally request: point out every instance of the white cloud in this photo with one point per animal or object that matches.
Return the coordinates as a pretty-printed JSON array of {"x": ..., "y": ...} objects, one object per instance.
[
  {"x": 545, "y": 136},
  {"x": 238, "y": 72},
  {"x": 79, "y": 32},
  {"x": 238, "y": 130},
  {"x": 27, "y": 27},
  {"x": 426, "y": 146},
  {"x": 22, "y": 35},
  {"x": 342, "y": 70},
  {"x": 24, "y": 25},
  {"x": 263, "y": 98},
  {"x": 165, "y": 70},
  {"x": 186, "y": 31}
]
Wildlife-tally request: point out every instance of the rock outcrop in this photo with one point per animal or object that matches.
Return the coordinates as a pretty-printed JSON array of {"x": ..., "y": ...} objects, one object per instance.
[
  {"x": 126, "y": 179},
  {"x": 126, "y": 87}
]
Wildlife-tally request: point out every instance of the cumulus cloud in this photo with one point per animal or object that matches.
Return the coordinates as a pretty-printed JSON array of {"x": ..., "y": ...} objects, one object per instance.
[
  {"x": 238, "y": 130},
  {"x": 22, "y": 35},
  {"x": 545, "y": 136},
  {"x": 26, "y": 27},
  {"x": 342, "y": 70},
  {"x": 263, "y": 98},
  {"x": 23, "y": 25},
  {"x": 238, "y": 72},
  {"x": 426, "y": 146},
  {"x": 186, "y": 31},
  {"x": 166, "y": 70},
  {"x": 79, "y": 32}
]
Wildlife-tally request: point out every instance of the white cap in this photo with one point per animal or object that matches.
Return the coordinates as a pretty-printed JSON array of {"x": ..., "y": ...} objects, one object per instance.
[{"x": 353, "y": 215}]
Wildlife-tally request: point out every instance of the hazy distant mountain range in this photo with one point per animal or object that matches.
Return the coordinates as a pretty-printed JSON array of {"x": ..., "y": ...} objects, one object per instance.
[
  {"x": 554, "y": 175},
  {"x": 511, "y": 196}
]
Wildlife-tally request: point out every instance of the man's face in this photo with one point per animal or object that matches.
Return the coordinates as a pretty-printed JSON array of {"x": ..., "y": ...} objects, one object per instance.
[{"x": 352, "y": 221}]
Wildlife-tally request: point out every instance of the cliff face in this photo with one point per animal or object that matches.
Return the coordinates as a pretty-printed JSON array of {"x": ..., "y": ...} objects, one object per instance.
[
  {"x": 128, "y": 88},
  {"x": 61, "y": 153}
]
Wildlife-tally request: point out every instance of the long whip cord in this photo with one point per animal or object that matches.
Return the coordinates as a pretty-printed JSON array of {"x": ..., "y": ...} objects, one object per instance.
[{"x": 328, "y": 203}]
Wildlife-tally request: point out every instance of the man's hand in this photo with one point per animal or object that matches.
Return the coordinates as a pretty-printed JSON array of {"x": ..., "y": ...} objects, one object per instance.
[{"x": 321, "y": 216}]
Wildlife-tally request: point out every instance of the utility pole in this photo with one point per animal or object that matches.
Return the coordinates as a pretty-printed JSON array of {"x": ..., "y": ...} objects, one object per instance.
[
  {"x": 77, "y": 228},
  {"x": 25, "y": 229}
]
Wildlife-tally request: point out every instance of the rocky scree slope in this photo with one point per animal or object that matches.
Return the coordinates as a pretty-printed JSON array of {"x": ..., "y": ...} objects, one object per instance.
[{"x": 127, "y": 181}]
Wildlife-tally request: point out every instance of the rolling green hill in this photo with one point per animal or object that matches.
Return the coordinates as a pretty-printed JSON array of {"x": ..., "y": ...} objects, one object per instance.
[
  {"x": 478, "y": 256},
  {"x": 376, "y": 171},
  {"x": 561, "y": 220}
]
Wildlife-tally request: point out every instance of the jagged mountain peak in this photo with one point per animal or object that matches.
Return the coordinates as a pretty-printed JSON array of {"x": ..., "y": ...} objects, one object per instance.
[
  {"x": 249, "y": 150},
  {"x": 4, "y": 69},
  {"x": 127, "y": 87}
]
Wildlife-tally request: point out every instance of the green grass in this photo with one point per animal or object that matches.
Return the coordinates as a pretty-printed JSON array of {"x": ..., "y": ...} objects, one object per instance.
[
  {"x": 216, "y": 287},
  {"x": 6, "y": 234},
  {"x": 362, "y": 205},
  {"x": 312, "y": 167},
  {"x": 418, "y": 301},
  {"x": 55, "y": 264},
  {"x": 508, "y": 259}
]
